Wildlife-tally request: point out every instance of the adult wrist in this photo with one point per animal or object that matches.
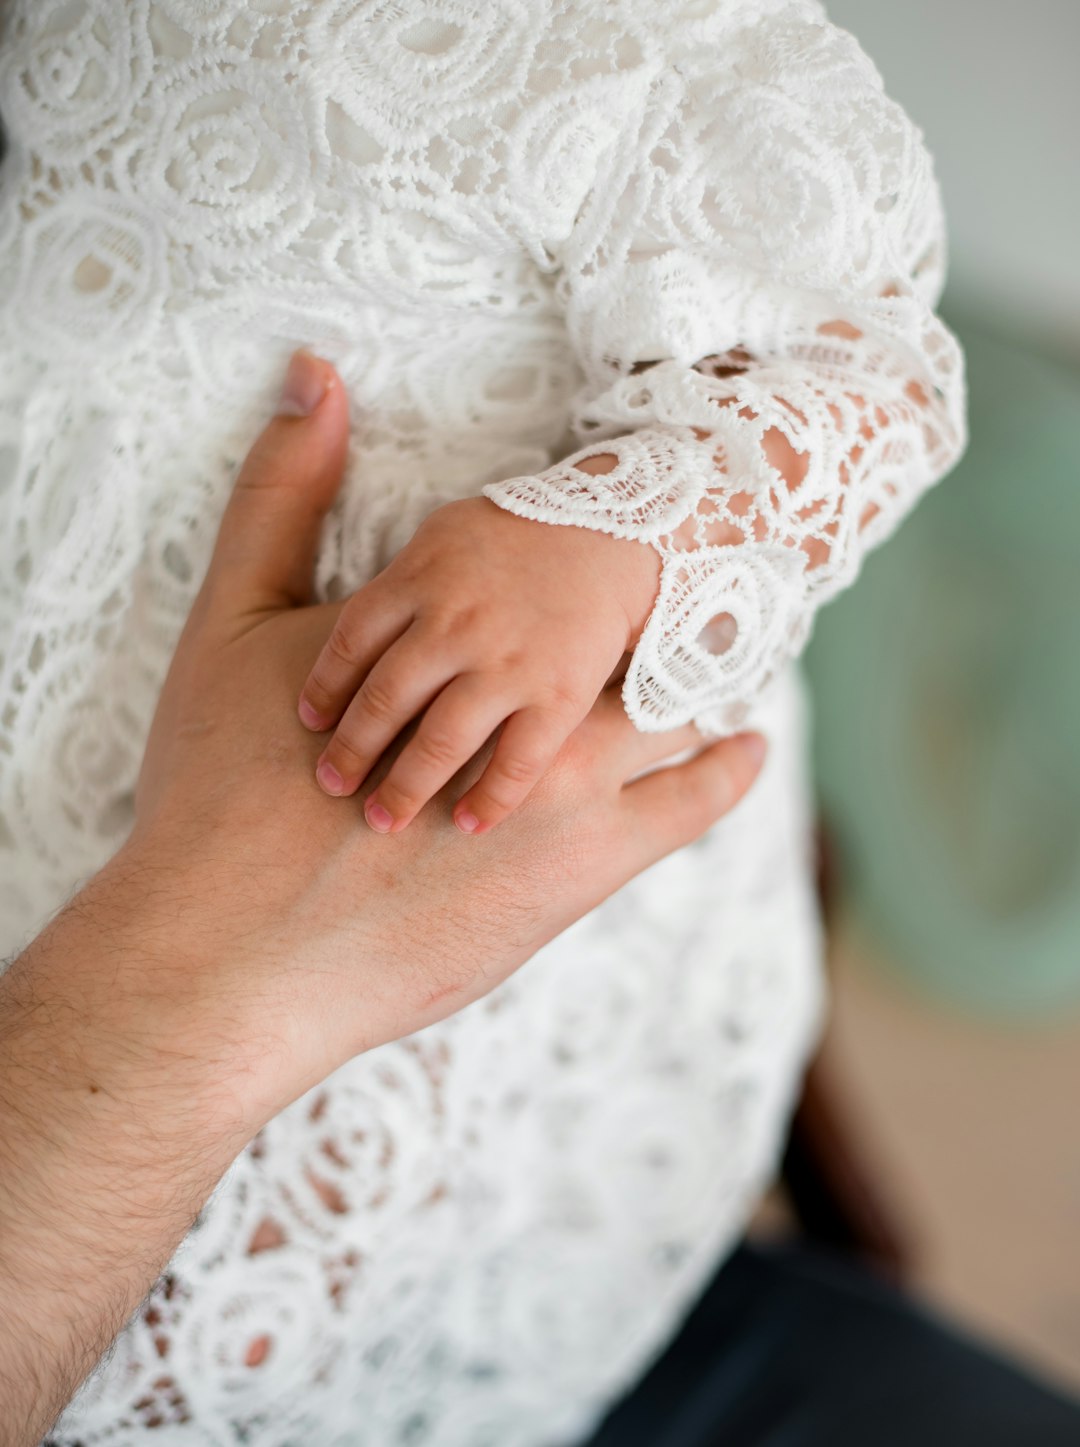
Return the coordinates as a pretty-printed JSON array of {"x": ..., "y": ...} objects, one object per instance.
[
  {"x": 116, "y": 1125},
  {"x": 106, "y": 1005}
]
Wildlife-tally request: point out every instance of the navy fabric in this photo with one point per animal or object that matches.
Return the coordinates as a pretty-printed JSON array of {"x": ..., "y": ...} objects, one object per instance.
[{"x": 792, "y": 1347}]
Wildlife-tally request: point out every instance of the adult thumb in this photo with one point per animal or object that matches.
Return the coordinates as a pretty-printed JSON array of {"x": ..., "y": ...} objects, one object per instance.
[{"x": 265, "y": 552}]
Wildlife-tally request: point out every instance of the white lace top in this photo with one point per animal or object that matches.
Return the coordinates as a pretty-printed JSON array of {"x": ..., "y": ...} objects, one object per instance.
[{"x": 696, "y": 238}]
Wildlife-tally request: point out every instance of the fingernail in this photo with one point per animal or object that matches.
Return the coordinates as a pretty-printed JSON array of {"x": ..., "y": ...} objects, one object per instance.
[
  {"x": 306, "y": 384},
  {"x": 308, "y": 717},
  {"x": 379, "y": 818},
  {"x": 466, "y": 822},
  {"x": 329, "y": 778},
  {"x": 755, "y": 747}
]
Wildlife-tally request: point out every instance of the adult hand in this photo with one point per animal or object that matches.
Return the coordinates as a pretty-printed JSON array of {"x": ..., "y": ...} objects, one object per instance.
[
  {"x": 307, "y": 937},
  {"x": 253, "y": 934}
]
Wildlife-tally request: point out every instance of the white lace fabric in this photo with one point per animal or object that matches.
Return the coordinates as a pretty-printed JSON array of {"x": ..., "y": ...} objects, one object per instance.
[
  {"x": 752, "y": 296},
  {"x": 696, "y": 239}
]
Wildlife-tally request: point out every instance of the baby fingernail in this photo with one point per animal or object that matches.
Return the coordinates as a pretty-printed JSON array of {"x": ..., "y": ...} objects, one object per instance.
[
  {"x": 467, "y": 822},
  {"x": 308, "y": 716},
  {"x": 329, "y": 778},
  {"x": 379, "y": 818}
]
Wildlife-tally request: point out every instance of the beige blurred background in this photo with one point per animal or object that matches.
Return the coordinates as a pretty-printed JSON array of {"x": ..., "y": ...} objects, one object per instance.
[{"x": 948, "y": 713}]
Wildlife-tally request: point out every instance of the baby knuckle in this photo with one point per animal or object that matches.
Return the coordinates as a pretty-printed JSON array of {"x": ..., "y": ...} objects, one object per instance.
[
  {"x": 400, "y": 796},
  {"x": 561, "y": 699},
  {"x": 491, "y": 801},
  {"x": 518, "y": 768},
  {"x": 344, "y": 753},
  {"x": 380, "y": 700},
  {"x": 341, "y": 645},
  {"x": 317, "y": 692},
  {"x": 438, "y": 746}
]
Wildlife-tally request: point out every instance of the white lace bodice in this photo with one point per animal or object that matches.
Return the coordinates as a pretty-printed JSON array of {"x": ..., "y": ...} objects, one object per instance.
[
  {"x": 492, "y": 218},
  {"x": 766, "y": 244}
]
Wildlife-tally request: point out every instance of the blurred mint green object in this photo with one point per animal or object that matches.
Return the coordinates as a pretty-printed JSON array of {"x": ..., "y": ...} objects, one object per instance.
[{"x": 947, "y": 706}]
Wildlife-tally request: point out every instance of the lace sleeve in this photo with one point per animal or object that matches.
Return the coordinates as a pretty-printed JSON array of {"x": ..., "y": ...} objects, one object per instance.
[{"x": 750, "y": 291}]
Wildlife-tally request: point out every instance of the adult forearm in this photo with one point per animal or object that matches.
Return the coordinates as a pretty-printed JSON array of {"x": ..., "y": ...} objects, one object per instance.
[{"x": 116, "y": 1122}]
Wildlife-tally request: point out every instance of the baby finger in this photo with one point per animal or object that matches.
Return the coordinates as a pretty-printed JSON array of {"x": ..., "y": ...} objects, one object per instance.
[
  {"x": 364, "y": 630},
  {"x": 400, "y": 685},
  {"x": 529, "y": 741},
  {"x": 457, "y": 724}
]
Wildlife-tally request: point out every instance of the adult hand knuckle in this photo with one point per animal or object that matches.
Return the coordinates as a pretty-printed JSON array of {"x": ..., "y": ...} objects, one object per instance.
[
  {"x": 466, "y": 617},
  {"x": 574, "y": 759},
  {"x": 511, "y": 659},
  {"x": 439, "y": 622},
  {"x": 688, "y": 799},
  {"x": 708, "y": 803}
]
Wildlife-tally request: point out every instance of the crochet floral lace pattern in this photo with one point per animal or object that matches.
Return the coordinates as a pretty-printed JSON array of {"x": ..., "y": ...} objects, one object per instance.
[
  {"x": 752, "y": 290},
  {"x": 691, "y": 237}
]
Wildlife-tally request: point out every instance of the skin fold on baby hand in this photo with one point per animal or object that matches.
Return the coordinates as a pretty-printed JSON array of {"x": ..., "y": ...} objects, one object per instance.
[{"x": 484, "y": 621}]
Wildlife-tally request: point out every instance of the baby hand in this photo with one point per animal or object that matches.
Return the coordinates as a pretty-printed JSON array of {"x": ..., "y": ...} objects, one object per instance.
[{"x": 483, "y": 619}]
